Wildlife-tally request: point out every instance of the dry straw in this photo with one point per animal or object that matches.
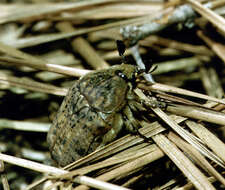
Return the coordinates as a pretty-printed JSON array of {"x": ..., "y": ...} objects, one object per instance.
[{"x": 180, "y": 130}]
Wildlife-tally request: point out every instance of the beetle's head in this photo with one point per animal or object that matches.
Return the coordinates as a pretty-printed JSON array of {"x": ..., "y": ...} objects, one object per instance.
[{"x": 129, "y": 73}]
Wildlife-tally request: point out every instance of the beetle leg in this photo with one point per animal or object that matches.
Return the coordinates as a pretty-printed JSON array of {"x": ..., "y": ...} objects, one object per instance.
[
  {"x": 132, "y": 124},
  {"x": 135, "y": 102},
  {"x": 153, "y": 102},
  {"x": 136, "y": 106},
  {"x": 130, "y": 93},
  {"x": 113, "y": 132}
]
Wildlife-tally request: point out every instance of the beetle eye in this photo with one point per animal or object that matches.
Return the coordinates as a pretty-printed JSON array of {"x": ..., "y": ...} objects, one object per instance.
[{"x": 120, "y": 74}]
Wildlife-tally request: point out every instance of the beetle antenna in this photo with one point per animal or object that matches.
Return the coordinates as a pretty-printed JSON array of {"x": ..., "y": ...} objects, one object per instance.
[
  {"x": 152, "y": 69},
  {"x": 121, "y": 49}
]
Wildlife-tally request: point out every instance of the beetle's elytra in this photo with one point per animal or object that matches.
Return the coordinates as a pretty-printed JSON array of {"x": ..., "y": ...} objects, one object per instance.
[{"x": 93, "y": 112}]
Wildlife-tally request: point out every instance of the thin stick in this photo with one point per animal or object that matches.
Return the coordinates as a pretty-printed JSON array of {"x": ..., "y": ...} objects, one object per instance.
[
  {"x": 132, "y": 34},
  {"x": 195, "y": 155},
  {"x": 137, "y": 163},
  {"x": 196, "y": 49},
  {"x": 190, "y": 186},
  {"x": 45, "y": 38},
  {"x": 176, "y": 65},
  {"x": 216, "y": 4},
  {"x": 182, "y": 132},
  {"x": 172, "y": 89},
  {"x": 5, "y": 182},
  {"x": 211, "y": 82},
  {"x": 208, "y": 138},
  {"x": 47, "y": 8},
  {"x": 43, "y": 65},
  {"x": 83, "y": 47},
  {"x": 56, "y": 171},
  {"x": 196, "y": 112},
  {"x": 126, "y": 156},
  {"x": 31, "y": 165},
  {"x": 189, "y": 137},
  {"x": 24, "y": 125},
  {"x": 183, "y": 163},
  {"x": 32, "y": 85},
  {"x": 214, "y": 18},
  {"x": 217, "y": 47}
]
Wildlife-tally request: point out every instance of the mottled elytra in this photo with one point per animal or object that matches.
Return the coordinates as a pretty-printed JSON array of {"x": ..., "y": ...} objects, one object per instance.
[{"x": 93, "y": 112}]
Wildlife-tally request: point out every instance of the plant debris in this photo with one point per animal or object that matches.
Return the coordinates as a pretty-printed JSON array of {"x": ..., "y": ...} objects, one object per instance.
[{"x": 45, "y": 46}]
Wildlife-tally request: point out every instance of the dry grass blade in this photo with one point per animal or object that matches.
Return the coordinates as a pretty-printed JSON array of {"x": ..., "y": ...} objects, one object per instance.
[
  {"x": 176, "y": 65},
  {"x": 18, "y": 12},
  {"x": 3, "y": 175},
  {"x": 182, "y": 132},
  {"x": 36, "y": 183},
  {"x": 217, "y": 47},
  {"x": 98, "y": 183},
  {"x": 56, "y": 171},
  {"x": 197, "y": 112},
  {"x": 211, "y": 82},
  {"x": 172, "y": 89},
  {"x": 24, "y": 125},
  {"x": 45, "y": 66},
  {"x": 124, "y": 157},
  {"x": 35, "y": 55},
  {"x": 208, "y": 138},
  {"x": 126, "y": 168},
  {"x": 45, "y": 38},
  {"x": 34, "y": 62},
  {"x": 217, "y": 3},
  {"x": 215, "y": 19},
  {"x": 54, "y": 185},
  {"x": 196, "y": 156},
  {"x": 196, "y": 49},
  {"x": 31, "y": 165},
  {"x": 2, "y": 166},
  {"x": 189, "y": 185},
  {"x": 17, "y": 53},
  {"x": 186, "y": 166},
  {"x": 5, "y": 182},
  {"x": 188, "y": 137},
  {"x": 32, "y": 85},
  {"x": 119, "y": 9},
  {"x": 83, "y": 47}
]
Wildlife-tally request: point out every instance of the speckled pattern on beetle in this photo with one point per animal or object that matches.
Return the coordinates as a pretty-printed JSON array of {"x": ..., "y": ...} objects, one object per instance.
[{"x": 93, "y": 112}]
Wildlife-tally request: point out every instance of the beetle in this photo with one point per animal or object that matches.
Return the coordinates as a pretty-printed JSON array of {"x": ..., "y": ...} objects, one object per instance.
[{"x": 94, "y": 111}]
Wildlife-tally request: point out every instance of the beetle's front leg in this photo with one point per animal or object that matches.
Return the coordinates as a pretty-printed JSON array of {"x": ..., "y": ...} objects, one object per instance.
[
  {"x": 114, "y": 131},
  {"x": 130, "y": 122},
  {"x": 137, "y": 103},
  {"x": 153, "y": 103},
  {"x": 136, "y": 106},
  {"x": 132, "y": 125}
]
